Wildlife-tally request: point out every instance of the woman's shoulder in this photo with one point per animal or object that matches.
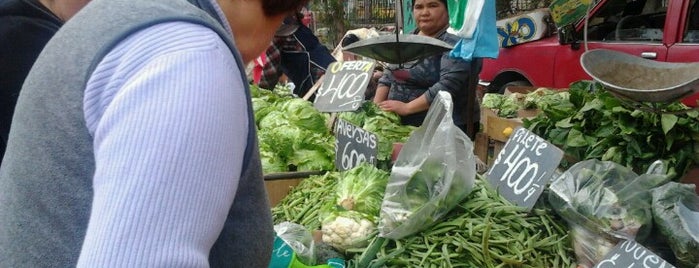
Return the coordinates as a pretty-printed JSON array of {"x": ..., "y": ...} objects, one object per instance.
[{"x": 449, "y": 38}]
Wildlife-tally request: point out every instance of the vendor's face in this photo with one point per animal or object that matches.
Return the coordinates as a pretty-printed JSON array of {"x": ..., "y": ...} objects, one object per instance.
[
  {"x": 431, "y": 16},
  {"x": 252, "y": 29}
]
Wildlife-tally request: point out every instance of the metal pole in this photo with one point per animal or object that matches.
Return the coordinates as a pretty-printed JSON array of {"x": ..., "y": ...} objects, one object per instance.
[
  {"x": 467, "y": 112},
  {"x": 397, "y": 46}
]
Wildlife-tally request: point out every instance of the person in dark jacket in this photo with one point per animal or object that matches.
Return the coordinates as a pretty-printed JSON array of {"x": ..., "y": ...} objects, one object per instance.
[
  {"x": 297, "y": 53},
  {"x": 25, "y": 27},
  {"x": 409, "y": 91}
]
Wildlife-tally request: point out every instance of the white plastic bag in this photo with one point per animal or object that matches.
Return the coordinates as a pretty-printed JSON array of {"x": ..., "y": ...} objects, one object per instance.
[{"x": 434, "y": 171}]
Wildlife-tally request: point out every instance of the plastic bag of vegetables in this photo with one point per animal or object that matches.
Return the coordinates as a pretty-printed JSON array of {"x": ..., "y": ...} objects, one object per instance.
[
  {"x": 294, "y": 247},
  {"x": 668, "y": 206},
  {"x": 604, "y": 203},
  {"x": 434, "y": 171},
  {"x": 298, "y": 238},
  {"x": 349, "y": 221}
]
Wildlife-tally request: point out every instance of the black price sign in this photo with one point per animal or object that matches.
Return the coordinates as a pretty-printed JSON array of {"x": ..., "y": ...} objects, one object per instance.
[
  {"x": 630, "y": 254},
  {"x": 524, "y": 167},
  {"x": 353, "y": 145},
  {"x": 343, "y": 86}
]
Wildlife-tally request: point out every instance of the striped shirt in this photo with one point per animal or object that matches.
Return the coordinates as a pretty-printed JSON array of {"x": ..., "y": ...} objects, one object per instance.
[{"x": 169, "y": 137}]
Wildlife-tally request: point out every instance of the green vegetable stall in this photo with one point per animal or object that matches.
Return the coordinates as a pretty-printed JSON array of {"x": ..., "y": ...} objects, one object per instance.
[{"x": 621, "y": 179}]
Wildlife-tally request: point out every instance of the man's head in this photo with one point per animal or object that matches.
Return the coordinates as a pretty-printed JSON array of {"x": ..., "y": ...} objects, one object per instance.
[{"x": 254, "y": 22}]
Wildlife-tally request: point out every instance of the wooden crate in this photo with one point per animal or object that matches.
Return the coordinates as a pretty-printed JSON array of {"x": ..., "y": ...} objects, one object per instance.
[
  {"x": 278, "y": 185},
  {"x": 495, "y": 139},
  {"x": 278, "y": 189}
]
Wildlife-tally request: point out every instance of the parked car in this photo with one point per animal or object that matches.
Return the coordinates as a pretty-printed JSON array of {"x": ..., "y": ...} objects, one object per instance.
[{"x": 662, "y": 30}]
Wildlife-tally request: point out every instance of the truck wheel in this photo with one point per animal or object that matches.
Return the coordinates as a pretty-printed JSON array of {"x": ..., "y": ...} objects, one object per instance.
[{"x": 520, "y": 83}]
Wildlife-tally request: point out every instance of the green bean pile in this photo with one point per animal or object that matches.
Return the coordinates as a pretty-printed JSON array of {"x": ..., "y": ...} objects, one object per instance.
[
  {"x": 304, "y": 201},
  {"x": 484, "y": 231}
]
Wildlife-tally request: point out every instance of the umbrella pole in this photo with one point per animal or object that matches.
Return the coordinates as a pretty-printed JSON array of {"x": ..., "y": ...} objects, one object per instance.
[
  {"x": 397, "y": 47},
  {"x": 471, "y": 99}
]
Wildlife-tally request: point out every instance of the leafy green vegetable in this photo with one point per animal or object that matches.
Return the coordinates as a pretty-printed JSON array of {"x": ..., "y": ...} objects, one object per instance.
[
  {"x": 604, "y": 203},
  {"x": 362, "y": 189},
  {"x": 292, "y": 133},
  {"x": 300, "y": 112},
  {"x": 350, "y": 219},
  {"x": 591, "y": 123},
  {"x": 385, "y": 125},
  {"x": 492, "y": 100},
  {"x": 416, "y": 200},
  {"x": 272, "y": 163},
  {"x": 666, "y": 198}
]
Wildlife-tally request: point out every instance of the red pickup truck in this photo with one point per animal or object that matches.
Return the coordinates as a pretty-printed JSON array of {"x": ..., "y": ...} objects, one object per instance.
[{"x": 662, "y": 30}]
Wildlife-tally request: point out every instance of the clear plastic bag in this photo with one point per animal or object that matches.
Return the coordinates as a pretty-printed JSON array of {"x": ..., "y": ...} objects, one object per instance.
[
  {"x": 435, "y": 170},
  {"x": 675, "y": 207},
  {"x": 604, "y": 203},
  {"x": 299, "y": 239}
]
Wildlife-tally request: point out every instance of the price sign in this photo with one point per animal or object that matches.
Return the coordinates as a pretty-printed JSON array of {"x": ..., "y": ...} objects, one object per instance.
[
  {"x": 343, "y": 86},
  {"x": 631, "y": 254},
  {"x": 524, "y": 167},
  {"x": 353, "y": 145}
]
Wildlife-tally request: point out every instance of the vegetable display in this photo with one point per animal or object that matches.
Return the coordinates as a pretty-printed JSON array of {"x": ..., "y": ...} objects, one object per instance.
[
  {"x": 683, "y": 242},
  {"x": 614, "y": 185},
  {"x": 427, "y": 180},
  {"x": 303, "y": 202},
  {"x": 349, "y": 220},
  {"x": 593, "y": 124},
  {"x": 386, "y": 126},
  {"x": 604, "y": 203},
  {"x": 293, "y": 135},
  {"x": 485, "y": 230},
  {"x": 507, "y": 105}
]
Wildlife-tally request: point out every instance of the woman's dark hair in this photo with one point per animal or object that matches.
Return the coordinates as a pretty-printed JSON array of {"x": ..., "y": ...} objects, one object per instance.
[
  {"x": 277, "y": 7},
  {"x": 412, "y": 3}
]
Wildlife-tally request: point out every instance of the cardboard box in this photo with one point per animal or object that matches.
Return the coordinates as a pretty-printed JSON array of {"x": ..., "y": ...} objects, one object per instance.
[
  {"x": 524, "y": 28},
  {"x": 496, "y": 126},
  {"x": 495, "y": 138}
]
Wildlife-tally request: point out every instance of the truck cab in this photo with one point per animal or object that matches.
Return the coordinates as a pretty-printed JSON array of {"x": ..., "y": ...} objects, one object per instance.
[{"x": 662, "y": 30}]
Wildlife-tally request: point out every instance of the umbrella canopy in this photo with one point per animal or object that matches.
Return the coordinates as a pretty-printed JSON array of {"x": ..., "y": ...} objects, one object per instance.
[{"x": 398, "y": 49}]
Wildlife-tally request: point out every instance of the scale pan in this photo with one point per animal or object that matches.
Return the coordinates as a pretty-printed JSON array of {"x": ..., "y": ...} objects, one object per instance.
[
  {"x": 406, "y": 48},
  {"x": 641, "y": 79}
]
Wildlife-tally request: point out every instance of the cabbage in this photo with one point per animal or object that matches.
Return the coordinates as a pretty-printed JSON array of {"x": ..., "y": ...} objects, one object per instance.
[
  {"x": 309, "y": 160},
  {"x": 301, "y": 113},
  {"x": 292, "y": 133},
  {"x": 272, "y": 163}
]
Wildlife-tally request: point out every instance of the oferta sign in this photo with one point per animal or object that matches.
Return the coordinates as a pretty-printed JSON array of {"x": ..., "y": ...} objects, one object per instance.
[{"x": 343, "y": 86}]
